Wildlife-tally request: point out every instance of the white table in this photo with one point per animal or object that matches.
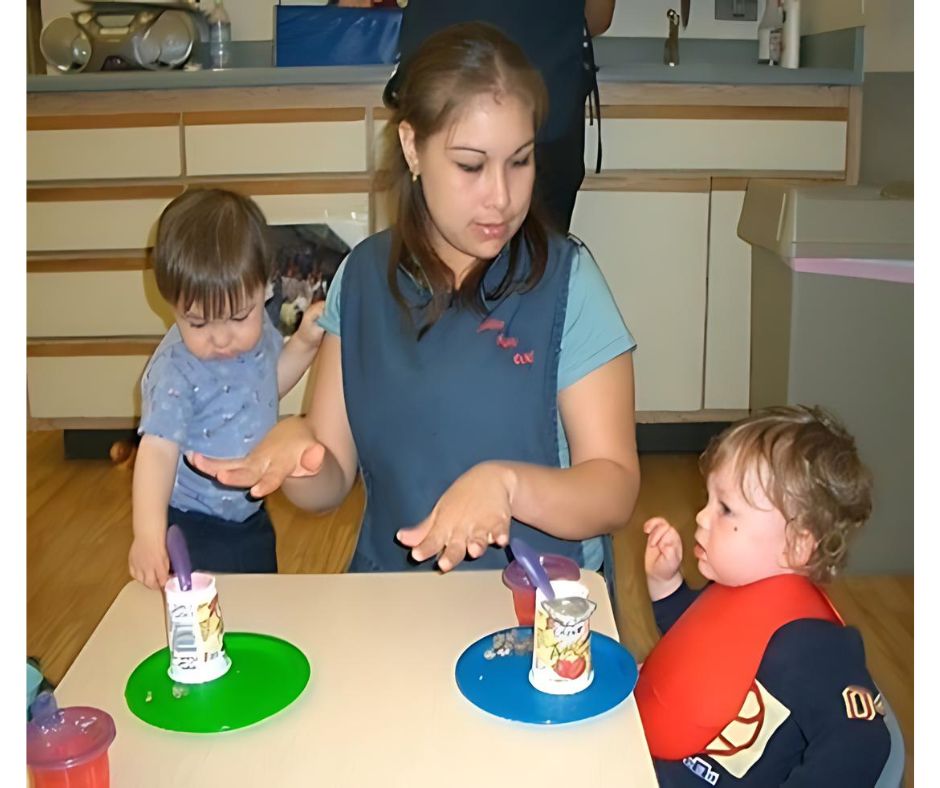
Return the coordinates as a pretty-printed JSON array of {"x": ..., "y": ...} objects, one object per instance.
[{"x": 382, "y": 707}]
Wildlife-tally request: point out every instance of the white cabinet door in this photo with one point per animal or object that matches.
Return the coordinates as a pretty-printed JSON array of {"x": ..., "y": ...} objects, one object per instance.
[
  {"x": 652, "y": 248},
  {"x": 728, "y": 332}
]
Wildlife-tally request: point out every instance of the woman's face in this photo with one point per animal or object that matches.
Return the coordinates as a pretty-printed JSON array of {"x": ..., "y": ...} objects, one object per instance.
[{"x": 477, "y": 175}]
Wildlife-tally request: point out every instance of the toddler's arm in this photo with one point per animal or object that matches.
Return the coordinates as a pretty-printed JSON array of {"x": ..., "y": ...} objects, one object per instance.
[
  {"x": 830, "y": 693},
  {"x": 154, "y": 474},
  {"x": 300, "y": 350},
  {"x": 662, "y": 559}
]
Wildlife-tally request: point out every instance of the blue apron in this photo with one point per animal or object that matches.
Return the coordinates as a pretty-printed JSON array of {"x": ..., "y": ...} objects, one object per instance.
[{"x": 422, "y": 412}]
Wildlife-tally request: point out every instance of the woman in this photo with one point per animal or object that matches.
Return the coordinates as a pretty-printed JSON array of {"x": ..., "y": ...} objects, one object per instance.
[{"x": 455, "y": 341}]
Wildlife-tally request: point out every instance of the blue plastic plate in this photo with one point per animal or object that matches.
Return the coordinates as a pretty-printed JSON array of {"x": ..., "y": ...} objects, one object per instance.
[{"x": 501, "y": 685}]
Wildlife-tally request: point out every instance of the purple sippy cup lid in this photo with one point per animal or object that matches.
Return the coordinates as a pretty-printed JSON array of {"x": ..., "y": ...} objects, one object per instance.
[
  {"x": 58, "y": 739},
  {"x": 557, "y": 567}
]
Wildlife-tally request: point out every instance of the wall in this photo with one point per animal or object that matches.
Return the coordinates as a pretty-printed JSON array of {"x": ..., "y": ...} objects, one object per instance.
[
  {"x": 253, "y": 19},
  {"x": 889, "y": 28},
  {"x": 647, "y": 18},
  {"x": 888, "y": 105},
  {"x": 887, "y": 127}
]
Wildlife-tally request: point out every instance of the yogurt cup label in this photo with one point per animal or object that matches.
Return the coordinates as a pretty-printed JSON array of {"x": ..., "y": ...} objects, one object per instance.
[
  {"x": 561, "y": 656},
  {"x": 195, "y": 631}
]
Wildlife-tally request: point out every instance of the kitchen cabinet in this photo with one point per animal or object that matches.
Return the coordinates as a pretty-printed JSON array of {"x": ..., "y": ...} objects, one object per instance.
[
  {"x": 728, "y": 314},
  {"x": 93, "y": 219},
  {"x": 285, "y": 141},
  {"x": 94, "y": 314},
  {"x": 91, "y": 385},
  {"x": 741, "y": 143},
  {"x": 652, "y": 248},
  {"x": 68, "y": 154},
  {"x": 660, "y": 219},
  {"x": 90, "y": 303}
]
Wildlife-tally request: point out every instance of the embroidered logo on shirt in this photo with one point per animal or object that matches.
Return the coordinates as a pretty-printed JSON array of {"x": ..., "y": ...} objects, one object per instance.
[
  {"x": 701, "y": 768},
  {"x": 860, "y": 704},
  {"x": 491, "y": 324},
  {"x": 506, "y": 342}
]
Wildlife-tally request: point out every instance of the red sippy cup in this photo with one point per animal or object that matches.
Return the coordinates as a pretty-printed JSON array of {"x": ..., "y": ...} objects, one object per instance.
[{"x": 68, "y": 748}]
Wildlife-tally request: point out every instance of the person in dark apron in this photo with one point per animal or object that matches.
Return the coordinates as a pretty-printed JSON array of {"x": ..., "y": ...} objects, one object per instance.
[
  {"x": 556, "y": 37},
  {"x": 476, "y": 370}
]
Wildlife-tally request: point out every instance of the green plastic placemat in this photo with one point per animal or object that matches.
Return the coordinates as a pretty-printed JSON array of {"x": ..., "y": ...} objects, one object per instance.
[{"x": 266, "y": 675}]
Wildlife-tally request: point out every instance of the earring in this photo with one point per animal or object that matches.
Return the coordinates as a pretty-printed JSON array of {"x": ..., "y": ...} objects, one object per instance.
[{"x": 414, "y": 177}]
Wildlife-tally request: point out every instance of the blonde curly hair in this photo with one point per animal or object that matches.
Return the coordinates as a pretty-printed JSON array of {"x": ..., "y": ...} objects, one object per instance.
[{"x": 807, "y": 465}]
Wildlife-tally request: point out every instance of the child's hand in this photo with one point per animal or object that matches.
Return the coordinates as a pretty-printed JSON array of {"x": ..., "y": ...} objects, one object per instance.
[
  {"x": 663, "y": 558},
  {"x": 309, "y": 331},
  {"x": 149, "y": 562}
]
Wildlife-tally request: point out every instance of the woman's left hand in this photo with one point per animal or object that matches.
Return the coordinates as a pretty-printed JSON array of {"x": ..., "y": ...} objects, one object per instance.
[{"x": 474, "y": 513}]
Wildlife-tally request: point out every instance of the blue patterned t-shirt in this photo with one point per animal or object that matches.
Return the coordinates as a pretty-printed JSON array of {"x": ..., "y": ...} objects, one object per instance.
[{"x": 219, "y": 407}]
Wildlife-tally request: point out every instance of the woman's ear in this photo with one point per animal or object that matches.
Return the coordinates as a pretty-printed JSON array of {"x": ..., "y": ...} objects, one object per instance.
[{"x": 406, "y": 136}]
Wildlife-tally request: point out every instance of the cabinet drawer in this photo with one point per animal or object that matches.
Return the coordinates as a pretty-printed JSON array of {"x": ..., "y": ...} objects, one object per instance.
[
  {"x": 269, "y": 148},
  {"x": 65, "y": 154},
  {"x": 84, "y": 386},
  {"x": 92, "y": 224},
  {"x": 94, "y": 387},
  {"x": 655, "y": 267},
  {"x": 95, "y": 304},
  {"x": 670, "y": 144}
]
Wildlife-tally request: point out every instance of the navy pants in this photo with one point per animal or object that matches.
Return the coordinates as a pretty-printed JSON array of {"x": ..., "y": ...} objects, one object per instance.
[
  {"x": 217, "y": 545},
  {"x": 559, "y": 175}
]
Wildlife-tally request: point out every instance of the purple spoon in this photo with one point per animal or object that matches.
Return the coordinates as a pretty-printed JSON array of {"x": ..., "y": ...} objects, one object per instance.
[
  {"x": 179, "y": 556},
  {"x": 531, "y": 562}
]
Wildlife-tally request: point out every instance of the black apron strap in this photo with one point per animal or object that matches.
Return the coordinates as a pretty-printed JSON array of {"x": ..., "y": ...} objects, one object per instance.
[{"x": 594, "y": 95}]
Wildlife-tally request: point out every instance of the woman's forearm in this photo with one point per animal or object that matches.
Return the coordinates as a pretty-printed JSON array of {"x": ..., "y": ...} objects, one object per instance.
[
  {"x": 322, "y": 492},
  {"x": 594, "y": 497},
  {"x": 598, "y": 14}
]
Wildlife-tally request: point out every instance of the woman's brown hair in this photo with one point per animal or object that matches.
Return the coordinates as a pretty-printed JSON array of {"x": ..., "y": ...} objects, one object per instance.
[
  {"x": 807, "y": 464},
  {"x": 212, "y": 250},
  {"x": 450, "y": 69}
]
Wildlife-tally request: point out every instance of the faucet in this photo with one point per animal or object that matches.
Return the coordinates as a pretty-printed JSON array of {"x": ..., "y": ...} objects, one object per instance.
[{"x": 671, "y": 49}]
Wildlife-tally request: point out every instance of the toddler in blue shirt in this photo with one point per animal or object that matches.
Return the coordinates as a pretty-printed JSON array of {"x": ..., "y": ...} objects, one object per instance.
[{"x": 211, "y": 386}]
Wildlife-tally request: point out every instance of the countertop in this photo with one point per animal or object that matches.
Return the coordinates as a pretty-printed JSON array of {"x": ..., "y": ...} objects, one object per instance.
[{"x": 828, "y": 59}]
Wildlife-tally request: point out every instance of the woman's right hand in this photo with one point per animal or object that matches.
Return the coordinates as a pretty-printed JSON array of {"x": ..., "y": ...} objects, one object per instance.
[
  {"x": 663, "y": 558},
  {"x": 290, "y": 449}
]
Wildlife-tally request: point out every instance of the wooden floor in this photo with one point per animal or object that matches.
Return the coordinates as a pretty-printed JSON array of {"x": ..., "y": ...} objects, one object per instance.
[{"x": 79, "y": 532}]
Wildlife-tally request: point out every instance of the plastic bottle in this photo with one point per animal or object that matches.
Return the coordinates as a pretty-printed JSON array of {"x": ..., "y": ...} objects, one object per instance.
[
  {"x": 790, "y": 57},
  {"x": 769, "y": 32},
  {"x": 220, "y": 36}
]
